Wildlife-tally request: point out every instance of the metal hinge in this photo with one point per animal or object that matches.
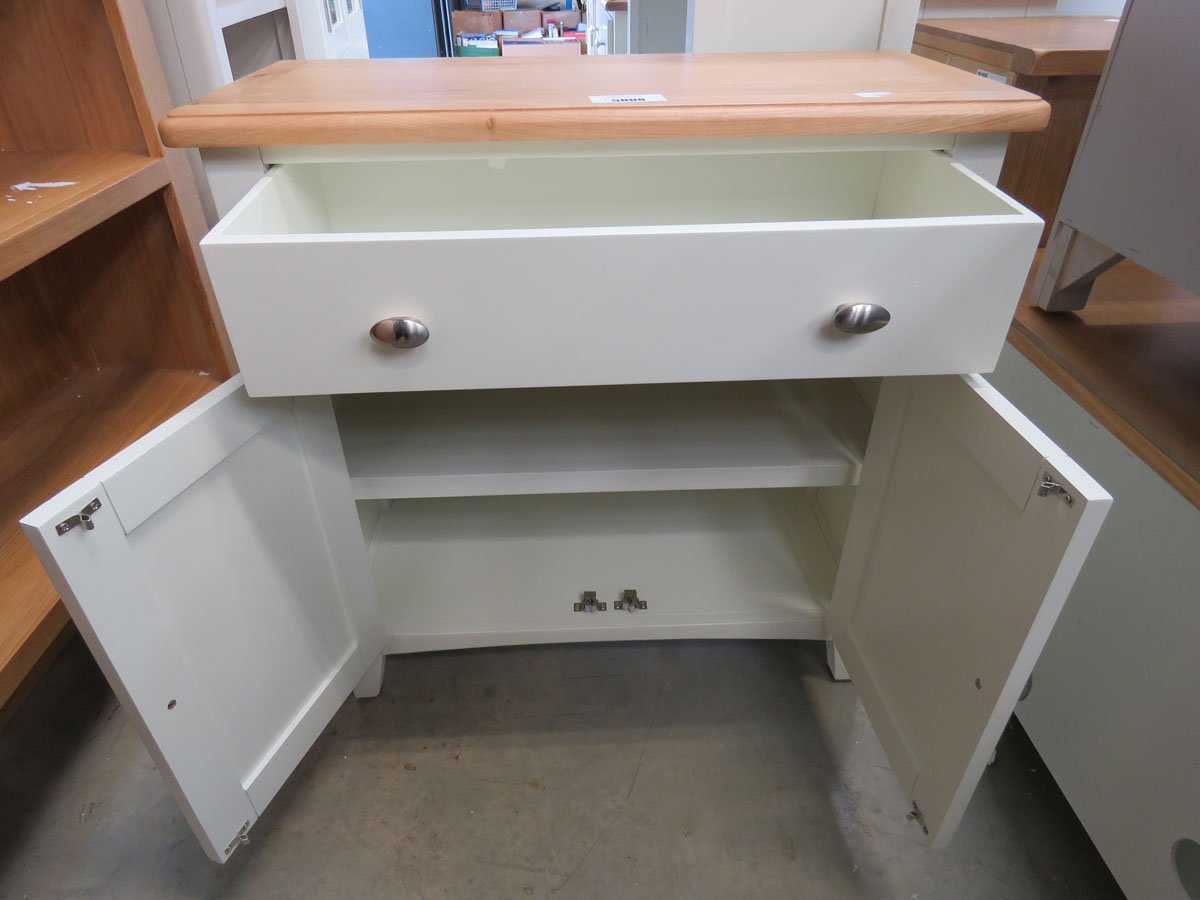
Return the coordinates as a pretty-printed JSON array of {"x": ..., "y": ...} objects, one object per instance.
[
  {"x": 1050, "y": 486},
  {"x": 917, "y": 816},
  {"x": 84, "y": 518},
  {"x": 589, "y": 603},
  {"x": 239, "y": 838},
  {"x": 629, "y": 601}
]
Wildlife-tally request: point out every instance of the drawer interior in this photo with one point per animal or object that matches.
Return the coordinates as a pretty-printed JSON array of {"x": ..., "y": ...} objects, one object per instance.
[{"x": 475, "y": 195}]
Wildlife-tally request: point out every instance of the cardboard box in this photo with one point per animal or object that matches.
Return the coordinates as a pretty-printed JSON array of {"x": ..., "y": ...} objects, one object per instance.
[
  {"x": 476, "y": 51},
  {"x": 471, "y": 22},
  {"x": 510, "y": 47},
  {"x": 567, "y": 19},
  {"x": 523, "y": 20}
]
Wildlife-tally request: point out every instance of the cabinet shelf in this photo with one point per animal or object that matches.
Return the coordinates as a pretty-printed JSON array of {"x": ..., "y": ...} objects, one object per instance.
[
  {"x": 36, "y": 220},
  {"x": 751, "y": 564},
  {"x": 580, "y": 440},
  {"x": 79, "y": 424}
]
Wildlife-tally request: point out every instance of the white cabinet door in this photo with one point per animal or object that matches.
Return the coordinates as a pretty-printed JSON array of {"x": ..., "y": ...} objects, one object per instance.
[
  {"x": 225, "y": 591},
  {"x": 956, "y": 565}
]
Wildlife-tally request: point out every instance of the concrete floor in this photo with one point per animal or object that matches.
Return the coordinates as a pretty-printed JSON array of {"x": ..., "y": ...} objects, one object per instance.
[{"x": 686, "y": 770}]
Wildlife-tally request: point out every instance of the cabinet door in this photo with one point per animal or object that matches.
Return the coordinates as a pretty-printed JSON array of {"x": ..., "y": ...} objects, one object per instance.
[
  {"x": 224, "y": 588},
  {"x": 957, "y": 563}
]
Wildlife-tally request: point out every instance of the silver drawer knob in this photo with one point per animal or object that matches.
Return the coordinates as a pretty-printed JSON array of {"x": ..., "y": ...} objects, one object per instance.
[
  {"x": 402, "y": 332},
  {"x": 860, "y": 318}
]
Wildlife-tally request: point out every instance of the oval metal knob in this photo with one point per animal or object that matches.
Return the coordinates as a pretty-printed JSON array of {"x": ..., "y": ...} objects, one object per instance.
[
  {"x": 860, "y": 318},
  {"x": 401, "y": 332}
]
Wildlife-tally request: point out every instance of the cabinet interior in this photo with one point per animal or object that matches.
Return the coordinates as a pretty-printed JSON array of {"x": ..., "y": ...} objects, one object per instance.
[
  {"x": 104, "y": 341},
  {"x": 619, "y": 191},
  {"x": 106, "y": 328},
  {"x": 488, "y": 513}
]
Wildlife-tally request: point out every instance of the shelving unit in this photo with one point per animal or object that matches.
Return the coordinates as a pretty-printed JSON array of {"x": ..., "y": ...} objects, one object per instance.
[{"x": 109, "y": 326}]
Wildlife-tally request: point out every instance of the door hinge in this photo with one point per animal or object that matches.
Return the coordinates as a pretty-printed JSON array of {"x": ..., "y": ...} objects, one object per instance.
[
  {"x": 240, "y": 838},
  {"x": 589, "y": 604},
  {"x": 1050, "y": 486},
  {"x": 629, "y": 601},
  {"x": 84, "y": 518},
  {"x": 917, "y": 816}
]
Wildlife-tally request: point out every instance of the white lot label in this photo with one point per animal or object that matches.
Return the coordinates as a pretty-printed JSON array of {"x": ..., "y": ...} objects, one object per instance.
[
  {"x": 627, "y": 98},
  {"x": 991, "y": 76}
]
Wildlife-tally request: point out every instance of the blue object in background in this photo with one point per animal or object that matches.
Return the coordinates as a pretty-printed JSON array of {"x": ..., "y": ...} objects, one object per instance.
[{"x": 400, "y": 28}]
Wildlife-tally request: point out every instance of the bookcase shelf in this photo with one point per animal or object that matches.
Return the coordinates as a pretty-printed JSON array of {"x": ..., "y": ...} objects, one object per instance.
[
  {"x": 70, "y": 430},
  {"x": 48, "y": 198},
  {"x": 109, "y": 324}
]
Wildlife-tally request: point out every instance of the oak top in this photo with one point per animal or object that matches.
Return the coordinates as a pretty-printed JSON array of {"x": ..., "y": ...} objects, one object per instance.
[
  {"x": 511, "y": 99},
  {"x": 1040, "y": 45}
]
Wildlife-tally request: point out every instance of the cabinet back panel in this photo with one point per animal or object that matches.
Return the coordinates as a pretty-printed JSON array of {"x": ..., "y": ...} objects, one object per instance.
[
  {"x": 62, "y": 85},
  {"x": 484, "y": 571}
]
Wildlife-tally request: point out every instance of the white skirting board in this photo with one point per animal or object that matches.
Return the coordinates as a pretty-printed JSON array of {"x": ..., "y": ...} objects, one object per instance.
[{"x": 487, "y": 571}]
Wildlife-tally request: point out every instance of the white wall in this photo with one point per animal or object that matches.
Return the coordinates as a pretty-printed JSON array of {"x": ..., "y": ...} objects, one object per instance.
[
  {"x": 747, "y": 25},
  {"x": 732, "y": 25}
]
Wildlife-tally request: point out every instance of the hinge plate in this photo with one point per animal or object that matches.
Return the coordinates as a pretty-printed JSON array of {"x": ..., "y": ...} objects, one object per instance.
[
  {"x": 83, "y": 517},
  {"x": 629, "y": 601},
  {"x": 589, "y": 604},
  {"x": 917, "y": 816},
  {"x": 240, "y": 838},
  {"x": 1049, "y": 486}
]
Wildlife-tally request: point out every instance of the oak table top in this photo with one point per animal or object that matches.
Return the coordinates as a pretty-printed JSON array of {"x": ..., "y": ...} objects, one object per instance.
[
  {"x": 1131, "y": 359},
  {"x": 305, "y": 102},
  {"x": 1038, "y": 45}
]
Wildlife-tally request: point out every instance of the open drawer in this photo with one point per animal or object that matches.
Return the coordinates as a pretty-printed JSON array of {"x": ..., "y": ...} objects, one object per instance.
[{"x": 618, "y": 269}]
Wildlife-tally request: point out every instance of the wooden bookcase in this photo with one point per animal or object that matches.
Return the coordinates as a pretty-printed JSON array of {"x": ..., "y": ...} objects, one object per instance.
[{"x": 108, "y": 325}]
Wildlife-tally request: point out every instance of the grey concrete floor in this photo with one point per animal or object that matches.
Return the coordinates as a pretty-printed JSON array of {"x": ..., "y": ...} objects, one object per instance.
[{"x": 692, "y": 769}]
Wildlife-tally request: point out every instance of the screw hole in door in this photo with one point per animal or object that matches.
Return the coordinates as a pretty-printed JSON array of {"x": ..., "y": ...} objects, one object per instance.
[{"x": 171, "y": 704}]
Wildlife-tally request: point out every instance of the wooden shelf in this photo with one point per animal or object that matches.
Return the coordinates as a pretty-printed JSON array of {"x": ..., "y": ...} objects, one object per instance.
[
  {"x": 74, "y": 428},
  {"x": 1029, "y": 45},
  {"x": 583, "y": 440},
  {"x": 37, "y": 220},
  {"x": 1131, "y": 359}
]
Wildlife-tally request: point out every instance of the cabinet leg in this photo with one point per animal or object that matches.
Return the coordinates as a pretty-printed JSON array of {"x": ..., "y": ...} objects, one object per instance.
[
  {"x": 1071, "y": 263},
  {"x": 372, "y": 681},
  {"x": 837, "y": 668}
]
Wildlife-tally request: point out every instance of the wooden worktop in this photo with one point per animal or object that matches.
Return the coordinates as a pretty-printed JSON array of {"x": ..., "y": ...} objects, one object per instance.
[
  {"x": 1036, "y": 45},
  {"x": 498, "y": 99}
]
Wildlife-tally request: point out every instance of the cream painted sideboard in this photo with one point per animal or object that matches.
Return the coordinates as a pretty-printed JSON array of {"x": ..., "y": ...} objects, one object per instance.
[{"x": 743, "y": 410}]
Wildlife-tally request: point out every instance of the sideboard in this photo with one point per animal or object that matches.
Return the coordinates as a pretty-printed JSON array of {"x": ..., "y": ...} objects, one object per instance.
[{"x": 597, "y": 349}]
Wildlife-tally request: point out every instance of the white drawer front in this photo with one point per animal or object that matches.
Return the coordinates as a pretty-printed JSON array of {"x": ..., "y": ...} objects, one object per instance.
[{"x": 637, "y": 269}]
